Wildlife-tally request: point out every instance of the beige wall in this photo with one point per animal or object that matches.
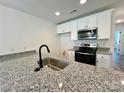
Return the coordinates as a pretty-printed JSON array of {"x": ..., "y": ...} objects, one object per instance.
[{"x": 22, "y": 32}]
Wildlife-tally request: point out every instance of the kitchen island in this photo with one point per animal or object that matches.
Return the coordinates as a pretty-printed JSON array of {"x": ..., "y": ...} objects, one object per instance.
[{"x": 18, "y": 75}]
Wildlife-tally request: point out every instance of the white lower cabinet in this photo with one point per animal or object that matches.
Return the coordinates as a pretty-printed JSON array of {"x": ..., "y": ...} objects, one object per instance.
[
  {"x": 71, "y": 55},
  {"x": 64, "y": 55},
  {"x": 103, "y": 61}
]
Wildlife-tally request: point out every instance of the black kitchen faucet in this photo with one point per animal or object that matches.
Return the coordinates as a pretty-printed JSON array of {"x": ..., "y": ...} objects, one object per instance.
[{"x": 40, "y": 57}]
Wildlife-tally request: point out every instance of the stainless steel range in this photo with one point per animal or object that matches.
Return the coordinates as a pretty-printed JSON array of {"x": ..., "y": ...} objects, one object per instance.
[{"x": 86, "y": 54}]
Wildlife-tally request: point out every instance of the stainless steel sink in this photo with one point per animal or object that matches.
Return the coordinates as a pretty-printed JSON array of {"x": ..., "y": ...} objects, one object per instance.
[{"x": 55, "y": 64}]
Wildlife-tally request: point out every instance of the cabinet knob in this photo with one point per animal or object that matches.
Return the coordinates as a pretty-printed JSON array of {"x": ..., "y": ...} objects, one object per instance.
[{"x": 102, "y": 57}]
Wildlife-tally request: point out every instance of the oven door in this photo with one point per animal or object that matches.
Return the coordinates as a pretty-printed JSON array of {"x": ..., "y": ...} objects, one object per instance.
[{"x": 87, "y": 58}]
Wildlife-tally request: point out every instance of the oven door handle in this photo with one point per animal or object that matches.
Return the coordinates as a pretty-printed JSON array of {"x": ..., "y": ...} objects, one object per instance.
[{"x": 84, "y": 53}]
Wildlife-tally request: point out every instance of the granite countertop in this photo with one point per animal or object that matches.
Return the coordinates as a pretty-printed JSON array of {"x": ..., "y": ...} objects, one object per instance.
[
  {"x": 101, "y": 50},
  {"x": 71, "y": 49},
  {"x": 74, "y": 48},
  {"x": 18, "y": 75}
]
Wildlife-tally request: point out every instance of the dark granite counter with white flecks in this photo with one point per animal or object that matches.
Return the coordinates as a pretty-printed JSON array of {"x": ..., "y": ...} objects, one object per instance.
[{"x": 18, "y": 75}]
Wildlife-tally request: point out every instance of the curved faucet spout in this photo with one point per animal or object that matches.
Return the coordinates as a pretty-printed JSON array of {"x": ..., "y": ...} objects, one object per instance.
[
  {"x": 40, "y": 57},
  {"x": 44, "y": 46}
]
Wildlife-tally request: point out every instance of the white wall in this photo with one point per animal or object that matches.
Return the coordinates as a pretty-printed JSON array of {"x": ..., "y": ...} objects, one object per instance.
[
  {"x": 22, "y": 32},
  {"x": 120, "y": 26}
]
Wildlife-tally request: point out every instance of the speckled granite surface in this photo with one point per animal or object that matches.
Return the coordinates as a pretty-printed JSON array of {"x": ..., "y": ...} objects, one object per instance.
[
  {"x": 18, "y": 75},
  {"x": 74, "y": 48},
  {"x": 101, "y": 50}
]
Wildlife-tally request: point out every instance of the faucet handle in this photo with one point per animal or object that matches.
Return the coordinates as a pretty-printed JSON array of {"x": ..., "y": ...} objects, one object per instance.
[{"x": 64, "y": 53}]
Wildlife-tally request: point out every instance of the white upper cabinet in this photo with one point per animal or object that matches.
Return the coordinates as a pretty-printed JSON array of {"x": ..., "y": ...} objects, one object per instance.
[
  {"x": 60, "y": 28},
  {"x": 91, "y": 21},
  {"x": 64, "y": 28},
  {"x": 102, "y": 21},
  {"x": 74, "y": 30},
  {"x": 81, "y": 23},
  {"x": 68, "y": 27},
  {"x": 87, "y": 22},
  {"x": 104, "y": 25}
]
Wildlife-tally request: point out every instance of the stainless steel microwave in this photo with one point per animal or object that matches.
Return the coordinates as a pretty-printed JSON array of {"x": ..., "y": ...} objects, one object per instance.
[{"x": 87, "y": 34}]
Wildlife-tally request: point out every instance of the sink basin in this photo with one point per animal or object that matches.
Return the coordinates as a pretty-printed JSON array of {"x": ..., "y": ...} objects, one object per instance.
[{"x": 55, "y": 64}]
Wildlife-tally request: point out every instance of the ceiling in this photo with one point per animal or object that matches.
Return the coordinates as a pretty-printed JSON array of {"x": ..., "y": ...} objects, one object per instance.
[{"x": 45, "y": 9}]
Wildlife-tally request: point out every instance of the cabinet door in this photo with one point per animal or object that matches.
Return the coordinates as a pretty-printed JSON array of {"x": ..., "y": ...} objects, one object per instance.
[
  {"x": 81, "y": 23},
  {"x": 104, "y": 24},
  {"x": 71, "y": 56},
  {"x": 74, "y": 30},
  {"x": 67, "y": 27},
  {"x": 60, "y": 28},
  {"x": 91, "y": 21},
  {"x": 100, "y": 63},
  {"x": 103, "y": 61},
  {"x": 64, "y": 28}
]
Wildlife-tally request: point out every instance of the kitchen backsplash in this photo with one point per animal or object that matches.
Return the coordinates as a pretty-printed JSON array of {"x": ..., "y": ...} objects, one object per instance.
[{"x": 67, "y": 43}]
